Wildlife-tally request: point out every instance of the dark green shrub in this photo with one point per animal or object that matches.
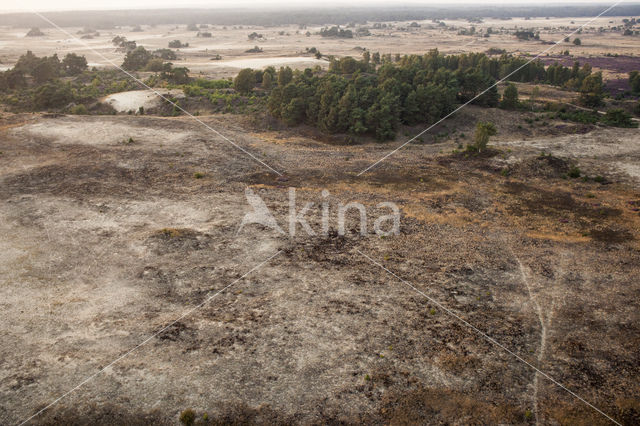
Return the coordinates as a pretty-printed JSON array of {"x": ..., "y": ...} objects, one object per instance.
[
  {"x": 619, "y": 118},
  {"x": 574, "y": 172},
  {"x": 52, "y": 95},
  {"x": 188, "y": 417}
]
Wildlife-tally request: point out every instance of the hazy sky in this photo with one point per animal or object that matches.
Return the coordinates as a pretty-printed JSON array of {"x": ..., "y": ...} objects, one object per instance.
[{"x": 27, "y": 5}]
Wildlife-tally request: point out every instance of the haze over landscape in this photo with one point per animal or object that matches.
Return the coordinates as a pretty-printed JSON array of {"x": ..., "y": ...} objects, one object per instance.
[
  {"x": 42, "y": 5},
  {"x": 273, "y": 213}
]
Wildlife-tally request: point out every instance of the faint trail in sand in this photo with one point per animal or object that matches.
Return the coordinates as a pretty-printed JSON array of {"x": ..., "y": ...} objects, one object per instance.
[
  {"x": 543, "y": 334},
  {"x": 544, "y": 317}
]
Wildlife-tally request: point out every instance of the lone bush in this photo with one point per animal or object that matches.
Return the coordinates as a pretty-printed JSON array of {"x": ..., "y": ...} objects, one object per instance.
[
  {"x": 78, "y": 110},
  {"x": 484, "y": 130},
  {"x": 188, "y": 417}
]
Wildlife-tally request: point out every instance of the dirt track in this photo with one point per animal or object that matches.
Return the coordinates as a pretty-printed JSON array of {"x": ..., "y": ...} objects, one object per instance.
[{"x": 104, "y": 243}]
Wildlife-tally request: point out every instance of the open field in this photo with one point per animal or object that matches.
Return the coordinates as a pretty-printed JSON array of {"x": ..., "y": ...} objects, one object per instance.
[
  {"x": 286, "y": 45},
  {"x": 545, "y": 265},
  {"x": 114, "y": 226}
]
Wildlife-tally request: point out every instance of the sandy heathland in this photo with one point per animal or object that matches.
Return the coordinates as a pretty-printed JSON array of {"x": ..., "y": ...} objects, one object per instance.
[
  {"x": 287, "y": 45},
  {"x": 106, "y": 241},
  {"x": 112, "y": 228}
]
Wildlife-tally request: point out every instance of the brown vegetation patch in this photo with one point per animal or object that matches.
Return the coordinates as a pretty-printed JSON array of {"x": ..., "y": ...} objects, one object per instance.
[
  {"x": 106, "y": 179},
  {"x": 458, "y": 363},
  {"x": 100, "y": 414},
  {"x": 608, "y": 235},
  {"x": 243, "y": 414},
  {"x": 443, "y": 406},
  {"x": 177, "y": 240},
  {"x": 558, "y": 202},
  {"x": 563, "y": 413},
  {"x": 544, "y": 166}
]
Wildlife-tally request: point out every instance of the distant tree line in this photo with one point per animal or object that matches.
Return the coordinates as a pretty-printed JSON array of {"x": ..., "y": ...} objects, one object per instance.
[{"x": 316, "y": 16}]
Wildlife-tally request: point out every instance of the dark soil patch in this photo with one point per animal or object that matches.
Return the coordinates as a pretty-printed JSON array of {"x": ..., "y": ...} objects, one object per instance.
[
  {"x": 396, "y": 179},
  {"x": 541, "y": 202},
  {"x": 546, "y": 166},
  {"x": 177, "y": 331},
  {"x": 609, "y": 235},
  {"x": 469, "y": 155},
  {"x": 181, "y": 240},
  {"x": 104, "y": 179},
  {"x": 333, "y": 248},
  {"x": 399, "y": 179}
]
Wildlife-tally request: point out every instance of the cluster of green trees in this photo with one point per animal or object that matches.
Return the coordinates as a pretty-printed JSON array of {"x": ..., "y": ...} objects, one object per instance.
[
  {"x": 41, "y": 69},
  {"x": 141, "y": 59},
  {"x": 166, "y": 54},
  {"x": 37, "y": 83},
  {"x": 57, "y": 94},
  {"x": 227, "y": 95},
  {"x": 177, "y": 44},
  {"x": 336, "y": 31},
  {"x": 358, "y": 97},
  {"x": 315, "y": 52},
  {"x": 122, "y": 43},
  {"x": 527, "y": 35}
]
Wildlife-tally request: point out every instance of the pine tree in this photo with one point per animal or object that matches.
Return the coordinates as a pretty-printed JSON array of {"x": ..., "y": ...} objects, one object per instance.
[
  {"x": 591, "y": 91},
  {"x": 244, "y": 81},
  {"x": 267, "y": 81},
  {"x": 411, "y": 113},
  {"x": 634, "y": 81},
  {"x": 510, "y": 97},
  {"x": 285, "y": 75}
]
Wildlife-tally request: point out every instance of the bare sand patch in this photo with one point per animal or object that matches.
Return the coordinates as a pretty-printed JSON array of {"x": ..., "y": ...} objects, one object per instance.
[
  {"x": 134, "y": 99},
  {"x": 100, "y": 131}
]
